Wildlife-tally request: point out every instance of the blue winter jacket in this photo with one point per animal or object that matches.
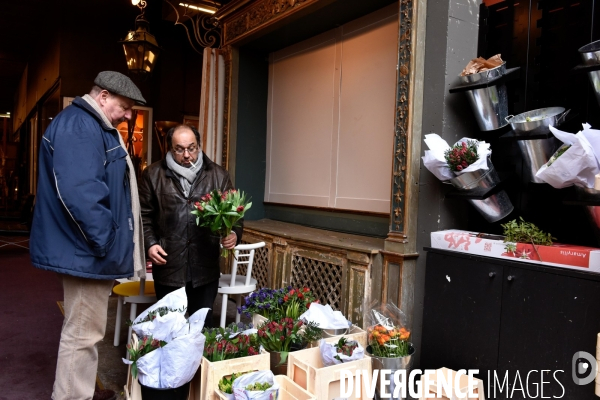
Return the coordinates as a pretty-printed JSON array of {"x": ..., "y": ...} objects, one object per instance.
[{"x": 82, "y": 223}]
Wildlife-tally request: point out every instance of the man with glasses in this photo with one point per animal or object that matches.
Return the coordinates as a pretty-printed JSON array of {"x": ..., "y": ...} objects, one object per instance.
[{"x": 183, "y": 254}]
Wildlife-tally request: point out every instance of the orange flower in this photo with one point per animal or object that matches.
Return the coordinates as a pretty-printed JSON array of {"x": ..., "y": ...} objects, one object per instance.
[{"x": 382, "y": 339}]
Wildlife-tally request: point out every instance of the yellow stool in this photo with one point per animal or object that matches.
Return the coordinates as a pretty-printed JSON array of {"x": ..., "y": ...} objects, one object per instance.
[{"x": 134, "y": 292}]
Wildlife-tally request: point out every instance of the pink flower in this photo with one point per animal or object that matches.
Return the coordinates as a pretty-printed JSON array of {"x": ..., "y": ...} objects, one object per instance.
[
  {"x": 240, "y": 209},
  {"x": 459, "y": 167}
]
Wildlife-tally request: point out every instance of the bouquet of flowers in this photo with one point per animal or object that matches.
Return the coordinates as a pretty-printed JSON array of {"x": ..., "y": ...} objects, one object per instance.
[
  {"x": 259, "y": 385},
  {"x": 145, "y": 345},
  {"x": 445, "y": 162},
  {"x": 170, "y": 349},
  {"x": 233, "y": 341},
  {"x": 276, "y": 304},
  {"x": 461, "y": 155},
  {"x": 343, "y": 350},
  {"x": 389, "y": 342},
  {"x": 280, "y": 335},
  {"x": 226, "y": 382},
  {"x": 221, "y": 211},
  {"x": 387, "y": 335}
]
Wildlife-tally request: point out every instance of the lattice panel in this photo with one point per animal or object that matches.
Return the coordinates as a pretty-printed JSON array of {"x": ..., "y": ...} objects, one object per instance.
[
  {"x": 260, "y": 267},
  {"x": 324, "y": 279}
]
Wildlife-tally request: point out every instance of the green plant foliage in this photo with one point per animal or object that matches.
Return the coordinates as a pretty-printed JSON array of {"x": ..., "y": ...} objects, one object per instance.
[
  {"x": 258, "y": 387},
  {"x": 525, "y": 232}
]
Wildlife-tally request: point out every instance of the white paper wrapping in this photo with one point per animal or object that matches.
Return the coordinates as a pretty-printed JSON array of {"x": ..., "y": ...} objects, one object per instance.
[
  {"x": 329, "y": 352},
  {"x": 325, "y": 317},
  {"x": 164, "y": 328},
  {"x": 239, "y": 386},
  {"x": 576, "y": 166},
  {"x": 435, "y": 161},
  {"x": 176, "y": 363}
]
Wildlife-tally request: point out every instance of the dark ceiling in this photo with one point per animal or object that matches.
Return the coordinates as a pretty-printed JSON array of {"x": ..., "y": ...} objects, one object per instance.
[
  {"x": 26, "y": 24},
  {"x": 22, "y": 22}
]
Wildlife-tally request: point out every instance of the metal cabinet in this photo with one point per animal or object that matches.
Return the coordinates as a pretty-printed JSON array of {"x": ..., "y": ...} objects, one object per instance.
[{"x": 523, "y": 322}]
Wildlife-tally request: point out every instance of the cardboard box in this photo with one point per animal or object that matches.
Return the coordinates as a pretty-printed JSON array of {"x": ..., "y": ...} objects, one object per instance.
[{"x": 557, "y": 255}]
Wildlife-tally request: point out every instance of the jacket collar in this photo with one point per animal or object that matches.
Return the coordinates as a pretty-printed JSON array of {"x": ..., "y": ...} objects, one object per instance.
[{"x": 81, "y": 103}]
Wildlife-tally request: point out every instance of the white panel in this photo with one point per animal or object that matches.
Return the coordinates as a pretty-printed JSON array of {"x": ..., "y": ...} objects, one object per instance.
[
  {"x": 301, "y": 122},
  {"x": 369, "y": 58}
]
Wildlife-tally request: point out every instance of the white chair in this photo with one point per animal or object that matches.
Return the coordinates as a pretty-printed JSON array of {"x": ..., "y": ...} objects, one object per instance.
[{"x": 232, "y": 284}]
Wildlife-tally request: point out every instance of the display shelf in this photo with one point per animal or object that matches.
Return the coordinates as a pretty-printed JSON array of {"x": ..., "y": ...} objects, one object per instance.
[
  {"x": 510, "y": 75},
  {"x": 585, "y": 68},
  {"x": 512, "y": 135}
]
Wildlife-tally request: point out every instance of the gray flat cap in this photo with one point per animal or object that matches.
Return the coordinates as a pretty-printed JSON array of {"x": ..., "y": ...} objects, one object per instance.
[{"x": 117, "y": 83}]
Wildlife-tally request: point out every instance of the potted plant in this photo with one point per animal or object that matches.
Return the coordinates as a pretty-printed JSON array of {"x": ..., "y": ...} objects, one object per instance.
[
  {"x": 275, "y": 304},
  {"x": 230, "y": 342},
  {"x": 521, "y": 237},
  {"x": 388, "y": 344},
  {"x": 226, "y": 384},
  {"x": 344, "y": 350},
  {"x": 281, "y": 336}
]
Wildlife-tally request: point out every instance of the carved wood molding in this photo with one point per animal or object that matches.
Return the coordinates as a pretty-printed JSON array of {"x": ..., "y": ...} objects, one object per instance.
[
  {"x": 401, "y": 151},
  {"x": 258, "y": 15},
  {"x": 227, "y": 57}
]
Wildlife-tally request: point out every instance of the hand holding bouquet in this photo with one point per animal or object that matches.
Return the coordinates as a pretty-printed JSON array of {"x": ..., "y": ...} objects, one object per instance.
[{"x": 221, "y": 211}]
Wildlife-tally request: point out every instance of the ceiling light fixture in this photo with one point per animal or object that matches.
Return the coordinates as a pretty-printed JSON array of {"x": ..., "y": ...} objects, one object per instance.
[
  {"x": 140, "y": 47},
  {"x": 202, "y": 8}
]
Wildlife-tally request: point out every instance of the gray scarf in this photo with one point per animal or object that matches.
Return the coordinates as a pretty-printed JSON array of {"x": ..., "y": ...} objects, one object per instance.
[
  {"x": 139, "y": 258},
  {"x": 186, "y": 175}
]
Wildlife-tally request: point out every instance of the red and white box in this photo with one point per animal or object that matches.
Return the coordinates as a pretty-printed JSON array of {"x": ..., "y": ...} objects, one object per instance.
[{"x": 558, "y": 255}]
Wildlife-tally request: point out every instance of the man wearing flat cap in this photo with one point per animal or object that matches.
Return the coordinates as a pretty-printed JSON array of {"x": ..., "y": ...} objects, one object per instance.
[{"x": 87, "y": 222}]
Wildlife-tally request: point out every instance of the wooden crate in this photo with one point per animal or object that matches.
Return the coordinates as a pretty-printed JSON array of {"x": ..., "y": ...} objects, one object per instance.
[
  {"x": 257, "y": 320},
  {"x": 305, "y": 368},
  {"x": 212, "y": 372},
  {"x": 288, "y": 390},
  {"x": 431, "y": 391},
  {"x": 354, "y": 333}
]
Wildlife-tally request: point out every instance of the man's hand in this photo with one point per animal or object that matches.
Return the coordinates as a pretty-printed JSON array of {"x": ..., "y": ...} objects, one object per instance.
[
  {"x": 230, "y": 241},
  {"x": 156, "y": 254}
]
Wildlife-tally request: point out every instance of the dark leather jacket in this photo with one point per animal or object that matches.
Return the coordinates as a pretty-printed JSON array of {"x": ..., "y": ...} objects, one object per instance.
[{"x": 167, "y": 218}]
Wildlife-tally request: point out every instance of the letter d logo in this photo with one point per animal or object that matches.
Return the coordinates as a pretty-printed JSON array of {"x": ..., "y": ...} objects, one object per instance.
[{"x": 580, "y": 367}]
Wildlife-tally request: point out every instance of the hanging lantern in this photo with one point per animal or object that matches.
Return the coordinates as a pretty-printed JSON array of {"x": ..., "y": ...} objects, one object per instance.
[{"x": 140, "y": 47}]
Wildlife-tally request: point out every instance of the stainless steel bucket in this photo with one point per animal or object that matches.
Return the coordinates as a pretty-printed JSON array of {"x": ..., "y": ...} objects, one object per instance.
[
  {"x": 392, "y": 365},
  {"x": 535, "y": 154},
  {"x": 495, "y": 207},
  {"x": 590, "y": 53},
  {"x": 489, "y": 104}
]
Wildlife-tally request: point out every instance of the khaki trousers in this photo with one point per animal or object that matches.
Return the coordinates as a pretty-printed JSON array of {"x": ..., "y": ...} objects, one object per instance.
[{"x": 86, "y": 306}]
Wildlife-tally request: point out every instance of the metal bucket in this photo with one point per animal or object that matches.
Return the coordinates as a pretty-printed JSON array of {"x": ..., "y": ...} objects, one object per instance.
[
  {"x": 590, "y": 53},
  {"x": 392, "y": 365},
  {"x": 593, "y": 212},
  {"x": 535, "y": 154},
  {"x": 490, "y": 104},
  {"x": 495, "y": 207}
]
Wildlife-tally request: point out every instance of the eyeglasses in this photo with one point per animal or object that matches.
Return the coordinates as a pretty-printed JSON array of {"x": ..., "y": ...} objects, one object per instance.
[{"x": 190, "y": 150}]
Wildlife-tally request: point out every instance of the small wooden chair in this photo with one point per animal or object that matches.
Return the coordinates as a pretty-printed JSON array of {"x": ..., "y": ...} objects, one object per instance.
[{"x": 232, "y": 284}]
